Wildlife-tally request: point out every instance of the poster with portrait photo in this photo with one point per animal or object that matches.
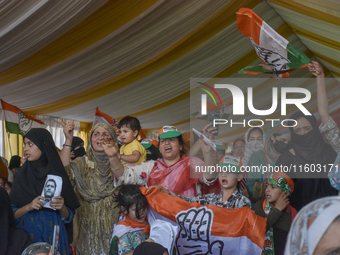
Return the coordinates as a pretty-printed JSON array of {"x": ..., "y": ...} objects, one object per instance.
[{"x": 52, "y": 188}]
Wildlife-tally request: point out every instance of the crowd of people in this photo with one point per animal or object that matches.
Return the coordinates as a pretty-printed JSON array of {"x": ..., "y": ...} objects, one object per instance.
[{"x": 94, "y": 194}]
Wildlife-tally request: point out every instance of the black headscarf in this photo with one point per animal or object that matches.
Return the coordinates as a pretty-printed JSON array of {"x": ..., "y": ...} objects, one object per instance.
[
  {"x": 6, "y": 220},
  {"x": 76, "y": 141},
  {"x": 147, "y": 248},
  {"x": 80, "y": 152},
  {"x": 12, "y": 240},
  {"x": 29, "y": 182},
  {"x": 155, "y": 153},
  {"x": 310, "y": 148},
  {"x": 15, "y": 162}
]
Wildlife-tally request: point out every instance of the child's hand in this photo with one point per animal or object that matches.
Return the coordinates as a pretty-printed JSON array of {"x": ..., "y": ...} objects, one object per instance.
[
  {"x": 22, "y": 160},
  {"x": 282, "y": 202},
  {"x": 160, "y": 187},
  {"x": 57, "y": 203},
  {"x": 315, "y": 68},
  {"x": 36, "y": 204}
]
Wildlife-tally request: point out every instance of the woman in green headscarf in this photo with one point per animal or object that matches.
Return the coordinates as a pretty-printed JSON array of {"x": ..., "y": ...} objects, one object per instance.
[
  {"x": 277, "y": 141},
  {"x": 92, "y": 176}
]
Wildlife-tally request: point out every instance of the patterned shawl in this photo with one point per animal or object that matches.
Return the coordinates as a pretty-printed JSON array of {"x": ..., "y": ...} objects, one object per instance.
[{"x": 94, "y": 181}]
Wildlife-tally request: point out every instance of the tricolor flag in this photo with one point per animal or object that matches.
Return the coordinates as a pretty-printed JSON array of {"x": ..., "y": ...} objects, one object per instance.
[
  {"x": 127, "y": 225},
  {"x": 18, "y": 122},
  {"x": 274, "y": 50},
  {"x": 208, "y": 229},
  {"x": 103, "y": 117}
]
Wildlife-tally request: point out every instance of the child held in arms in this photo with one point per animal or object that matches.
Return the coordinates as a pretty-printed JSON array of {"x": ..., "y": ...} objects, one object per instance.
[
  {"x": 132, "y": 152},
  {"x": 229, "y": 178},
  {"x": 275, "y": 207}
]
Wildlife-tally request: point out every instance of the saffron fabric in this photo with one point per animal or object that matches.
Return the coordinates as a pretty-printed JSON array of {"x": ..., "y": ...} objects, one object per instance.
[{"x": 213, "y": 229}]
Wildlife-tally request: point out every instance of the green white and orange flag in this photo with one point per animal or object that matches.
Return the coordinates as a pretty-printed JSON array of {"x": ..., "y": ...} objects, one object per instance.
[
  {"x": 18, "y": 122},
  {"x": 208, "y": 229},
  {"x": 278, "y": 55}
]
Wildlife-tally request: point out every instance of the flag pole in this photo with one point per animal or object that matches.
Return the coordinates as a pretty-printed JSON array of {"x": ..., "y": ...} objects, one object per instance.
[
  {"x": 4, "y": 126},
  {"x": 9, "y": 144}
]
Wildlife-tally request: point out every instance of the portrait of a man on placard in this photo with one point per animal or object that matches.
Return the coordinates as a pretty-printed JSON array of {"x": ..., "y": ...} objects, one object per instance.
[
  {"x": 52, "y": 188},
  {"x": 49, "y": 189}
]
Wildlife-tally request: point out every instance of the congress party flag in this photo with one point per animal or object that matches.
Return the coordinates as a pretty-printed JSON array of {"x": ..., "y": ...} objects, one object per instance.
[
  {"x": 278, "y": 55},
  {"x": 103, "y": 117},
  {"x": 17, "y": 122},
  {"x": 209, "y": 229}
]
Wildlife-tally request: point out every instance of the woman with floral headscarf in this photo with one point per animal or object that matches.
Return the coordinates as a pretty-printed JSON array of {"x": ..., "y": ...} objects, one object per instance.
[
  {"x": 316, "y": 229},
  {"x": 277, "y": 141},
  {"x": 92, "y": 176}
]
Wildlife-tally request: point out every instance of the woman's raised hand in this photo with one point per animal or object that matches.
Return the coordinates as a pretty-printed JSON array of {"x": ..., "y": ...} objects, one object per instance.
[
  {"x": 209, "y": 131},
  {"x": 68, "y": 129},
  {"x": 205, "y": 148},
  {"x": 110, "y": 148},
  {"x": 36, "y": 204},
  {"x": 315, "y": 68}
]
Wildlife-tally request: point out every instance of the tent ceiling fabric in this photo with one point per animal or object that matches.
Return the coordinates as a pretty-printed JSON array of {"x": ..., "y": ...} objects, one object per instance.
[{"x": 130, "y": 57}]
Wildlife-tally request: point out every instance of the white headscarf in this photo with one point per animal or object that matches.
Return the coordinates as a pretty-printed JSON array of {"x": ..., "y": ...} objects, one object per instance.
[
  {"x": 310, "y": 224},
  {"x": 252, "y": 147}
]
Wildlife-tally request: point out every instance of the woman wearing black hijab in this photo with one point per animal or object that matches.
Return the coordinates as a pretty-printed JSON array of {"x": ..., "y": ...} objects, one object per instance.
[
  {"x": 42, "y": 160},
  {"x": 309, "y": 151},
  {"x": 77, "y": 148},
  {"x": 13, "y": 240},
  {"x": 14, "y": 163}
]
